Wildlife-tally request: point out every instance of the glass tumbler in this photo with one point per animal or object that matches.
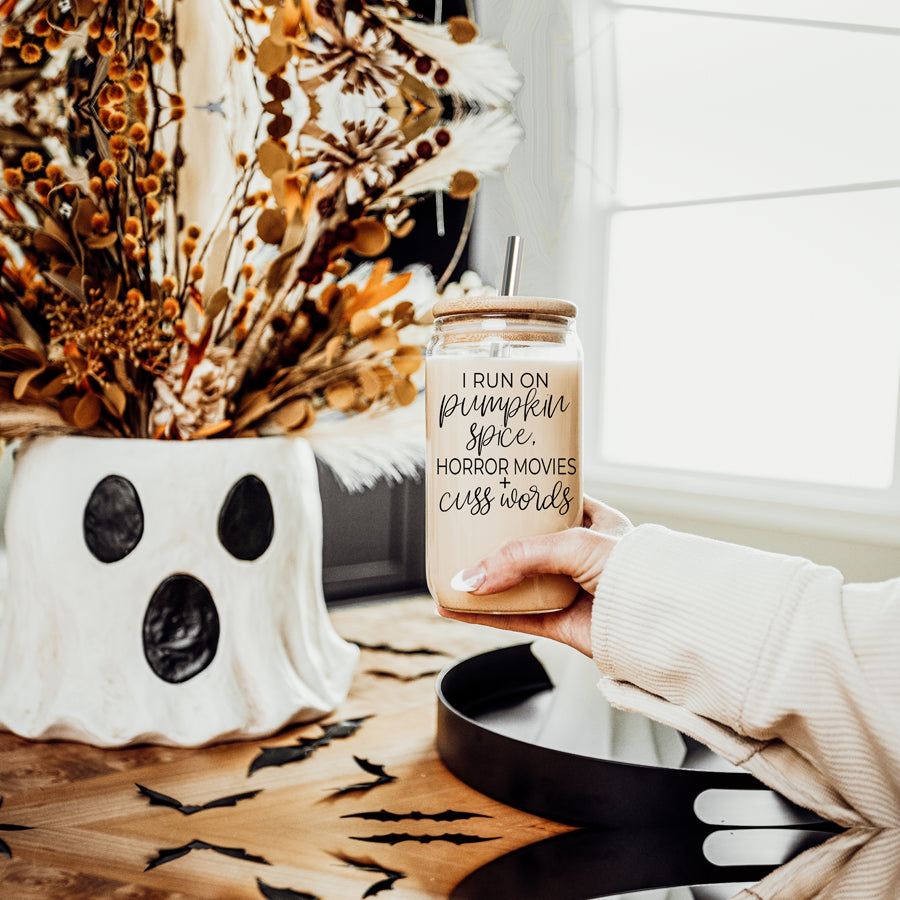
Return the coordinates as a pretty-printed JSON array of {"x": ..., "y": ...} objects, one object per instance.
[{"x": 503, "y": 432}]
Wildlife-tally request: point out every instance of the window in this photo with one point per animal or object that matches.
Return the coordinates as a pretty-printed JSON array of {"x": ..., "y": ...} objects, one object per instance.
[{"x": 737, "y": 200}]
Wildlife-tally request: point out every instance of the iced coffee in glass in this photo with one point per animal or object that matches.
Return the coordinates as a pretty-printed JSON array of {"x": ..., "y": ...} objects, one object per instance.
[{"x": 503, "y": 426}]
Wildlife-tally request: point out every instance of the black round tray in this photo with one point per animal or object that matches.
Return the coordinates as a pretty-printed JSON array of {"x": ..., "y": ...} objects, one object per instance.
[
  {"x": 565, "y": 787},
  {"x": 637, "y": 825}
]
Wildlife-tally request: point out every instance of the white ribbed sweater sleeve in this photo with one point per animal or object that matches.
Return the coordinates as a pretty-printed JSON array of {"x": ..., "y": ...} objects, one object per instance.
[{"x": 770, "y": 660}]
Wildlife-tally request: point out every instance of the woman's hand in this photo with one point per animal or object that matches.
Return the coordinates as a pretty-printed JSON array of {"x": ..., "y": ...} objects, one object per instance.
[{"x": 580, "y": 553}]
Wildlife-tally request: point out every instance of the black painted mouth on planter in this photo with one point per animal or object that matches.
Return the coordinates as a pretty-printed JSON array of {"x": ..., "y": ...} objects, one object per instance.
[{"x": 181, "y": 628}]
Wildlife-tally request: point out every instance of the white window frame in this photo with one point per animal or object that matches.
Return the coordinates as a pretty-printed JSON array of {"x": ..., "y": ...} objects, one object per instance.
[{"x": 824, "y": 510}]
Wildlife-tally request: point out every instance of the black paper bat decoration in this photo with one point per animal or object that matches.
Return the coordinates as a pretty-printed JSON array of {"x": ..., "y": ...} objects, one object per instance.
[
  {"x": 305, "y": 747},
  {"x": 4, "y": 847},
  {"x": 384, "y": 885},
  {"x": 173, "y": 853},
  {"x": 423, "y": 838},
  {"x": 386, "y": 673},
  {"x": 274, "y": 893},
  {"x": 387, "y": 648},
  {"x": 158, "y": 799},
  {"x": 381, "y": 777},
  {"x": 449, "y": 815}
]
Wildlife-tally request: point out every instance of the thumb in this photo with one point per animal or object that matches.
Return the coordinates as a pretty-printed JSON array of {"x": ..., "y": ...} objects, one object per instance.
[{"x": 576, "y": 552}]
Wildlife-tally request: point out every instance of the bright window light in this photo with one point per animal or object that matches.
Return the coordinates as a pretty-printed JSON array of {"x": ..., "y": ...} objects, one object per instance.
[
  {"x": 871, "y": 13},
  {"x": 719, "y": 107},
  {"x": 759, "y": 338},
  {"x": 752, "y": 308}
]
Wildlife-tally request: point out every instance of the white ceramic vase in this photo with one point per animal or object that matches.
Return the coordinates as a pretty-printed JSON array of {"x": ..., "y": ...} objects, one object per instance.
[{"x": 165, "y": 592}]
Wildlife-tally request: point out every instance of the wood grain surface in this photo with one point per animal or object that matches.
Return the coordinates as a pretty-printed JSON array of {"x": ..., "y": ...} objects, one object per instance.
[{"x": 303, "y": 827}]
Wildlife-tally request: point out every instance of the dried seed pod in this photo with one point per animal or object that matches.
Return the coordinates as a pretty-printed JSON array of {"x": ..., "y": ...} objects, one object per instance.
[
  {"x": 385, "y": 340},
  {"x": 327, "y": 297},
  {"x": 278, "y": 88},
  {"x": 372, "y": 238},
  {"x": 101, "y": 241},
  {"x": 217, "y": 302},
  {"x": 294, "y": 415},
  {"x": 385, "y": 375},
  {"x": 404, "y": 228},
  {"x": 332, "y": 348},
  {"x": 54, "y": 387},
  {"x": 116, "y": 397},
  {"x": 403, "y": 313},
  {"x": 273, "y": 157},
  {"x": 363, "y": 324},
  {"x": 271, "y": 226},
  {"x": 84, "y": 214},
  {"x": 279, "y": 126},
  {"x": 370, "y": 384},
  {"x": 24, "y": 379},
  {"x": 341, "y": 395},
  {"x": 87, "y": 411},
  {"x": 407, "y": 359},
  {"x": 276, "y": 26},
  {"x": 67, "y": 409},
  {"x": 106, "y": 403},
  {"x": 122, "y": 376},
  {"x": 24, "y": 330},
  {"x": 462, "y": 185},
  {"x": 48, "y": 243},
  {"x": 405, "y": 391}
]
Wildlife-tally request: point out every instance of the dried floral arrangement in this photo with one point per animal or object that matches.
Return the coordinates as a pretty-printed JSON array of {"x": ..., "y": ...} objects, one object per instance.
[{"x": 126, "y": 312}]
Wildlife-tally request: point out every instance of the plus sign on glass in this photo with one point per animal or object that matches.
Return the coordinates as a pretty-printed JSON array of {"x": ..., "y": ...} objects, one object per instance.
[{"x": 503, "y": 424}]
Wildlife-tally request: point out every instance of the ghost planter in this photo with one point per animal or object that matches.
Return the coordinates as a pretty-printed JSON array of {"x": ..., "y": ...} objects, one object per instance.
[{"x": 167, "y": 592}]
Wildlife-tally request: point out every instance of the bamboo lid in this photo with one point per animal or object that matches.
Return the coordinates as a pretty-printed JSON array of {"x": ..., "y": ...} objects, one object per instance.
[{"x": 503, "y": 305}]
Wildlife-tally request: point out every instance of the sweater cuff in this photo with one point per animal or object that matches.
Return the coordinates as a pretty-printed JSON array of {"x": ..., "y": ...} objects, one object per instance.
[{"x": 685, "y": 617}]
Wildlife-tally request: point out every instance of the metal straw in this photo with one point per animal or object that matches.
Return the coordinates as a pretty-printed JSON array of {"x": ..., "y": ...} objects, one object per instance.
[{"x": 512, "y": 266}]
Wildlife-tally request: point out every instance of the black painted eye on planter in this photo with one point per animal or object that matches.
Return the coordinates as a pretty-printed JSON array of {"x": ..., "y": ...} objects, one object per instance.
[
  {"x": 246, "y": 520},
  {"x": 113, "y": 519},
  {"x": 181, "y": 628}
]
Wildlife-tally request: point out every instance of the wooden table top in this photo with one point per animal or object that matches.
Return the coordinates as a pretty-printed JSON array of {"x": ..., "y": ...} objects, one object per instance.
[{"x": 74, "y": 823}]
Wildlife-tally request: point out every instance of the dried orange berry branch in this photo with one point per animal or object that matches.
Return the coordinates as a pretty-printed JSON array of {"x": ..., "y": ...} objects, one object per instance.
[{"x": 122, "y": 315}]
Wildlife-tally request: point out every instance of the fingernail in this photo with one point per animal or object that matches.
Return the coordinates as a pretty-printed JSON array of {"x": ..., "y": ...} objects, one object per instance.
[{"x": 468, "y": 579}]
